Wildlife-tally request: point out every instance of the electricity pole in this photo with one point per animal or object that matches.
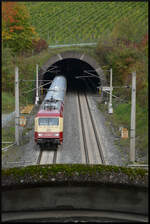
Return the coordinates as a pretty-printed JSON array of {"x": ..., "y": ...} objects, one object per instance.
[
  {"x": 16, "y": 106},
  {"x": 37, "y": 90},
  {"x": 110, "y": 109},
  {"x": 133, "y": 116}
]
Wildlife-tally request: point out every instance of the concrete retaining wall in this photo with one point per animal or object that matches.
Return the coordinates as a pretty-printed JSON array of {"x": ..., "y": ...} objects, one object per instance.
[
  {"x": 116, "y": 202},
  {"x": 74, "y": 192}
]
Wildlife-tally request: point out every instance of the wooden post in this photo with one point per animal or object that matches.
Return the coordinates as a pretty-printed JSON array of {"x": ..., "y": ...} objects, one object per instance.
[
  {"x": 16, "y": 106},
  {"x": 133, "y": 118}
]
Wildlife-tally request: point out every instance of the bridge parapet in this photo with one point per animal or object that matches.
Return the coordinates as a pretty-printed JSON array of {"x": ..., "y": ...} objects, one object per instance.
[{"x": 108, "y": 192}]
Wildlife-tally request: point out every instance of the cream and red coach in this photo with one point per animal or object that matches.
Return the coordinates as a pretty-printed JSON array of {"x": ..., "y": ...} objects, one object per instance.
[{"x": 49, "y": 119}]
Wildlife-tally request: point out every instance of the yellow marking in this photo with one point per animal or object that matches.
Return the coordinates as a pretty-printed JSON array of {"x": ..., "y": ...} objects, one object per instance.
[
  {"x": 45, "y": 128},
  {"x": 61, "y": 124},
  {"x": 27, "y": 109},
  {"x": 36, "y": 124}
]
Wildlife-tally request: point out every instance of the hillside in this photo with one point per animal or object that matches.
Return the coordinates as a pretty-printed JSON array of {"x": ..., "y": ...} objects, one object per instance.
[{"x": 78, "y": 22}]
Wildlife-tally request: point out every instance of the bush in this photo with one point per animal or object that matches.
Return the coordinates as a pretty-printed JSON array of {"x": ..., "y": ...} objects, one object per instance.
[
  {"x": 126, "y": 51},
  {"x": 39, "y": 45}
]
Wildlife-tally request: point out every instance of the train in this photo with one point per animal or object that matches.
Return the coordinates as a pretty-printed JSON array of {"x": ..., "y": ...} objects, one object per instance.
[{"x": 49, "y": 119}]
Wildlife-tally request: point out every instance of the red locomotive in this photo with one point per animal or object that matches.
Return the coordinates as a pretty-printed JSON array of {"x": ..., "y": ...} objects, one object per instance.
[{"x": 49, "y": 119}]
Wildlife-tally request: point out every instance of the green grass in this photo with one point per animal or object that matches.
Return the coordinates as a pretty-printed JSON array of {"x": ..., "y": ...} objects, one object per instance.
[
  {"x": 142, "y": 128},
  {"x": 121, "y": 118},
  {"x": 122, "y": 113},
  {"x": 76, "y": 22},
  {"x": 8, "y": 135},
  {"x": 8, "y": 102}
]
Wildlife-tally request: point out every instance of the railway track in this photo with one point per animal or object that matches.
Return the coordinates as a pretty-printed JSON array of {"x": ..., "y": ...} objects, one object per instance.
[
  {"x": 48, "y": 155},
  {"x": 90, "y": 144},
  {"x": 91, "y": 147}
]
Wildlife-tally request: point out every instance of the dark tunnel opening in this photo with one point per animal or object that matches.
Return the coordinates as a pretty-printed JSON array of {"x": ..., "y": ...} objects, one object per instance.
[{"x": 77, "y": 72}]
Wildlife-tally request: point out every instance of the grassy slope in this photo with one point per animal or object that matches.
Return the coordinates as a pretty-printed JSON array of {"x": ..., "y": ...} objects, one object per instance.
[{"x": 75, "y": 22}]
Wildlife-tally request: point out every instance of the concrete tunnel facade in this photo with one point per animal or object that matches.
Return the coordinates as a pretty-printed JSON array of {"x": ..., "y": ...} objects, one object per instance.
[{"x": 73, "y": 62}]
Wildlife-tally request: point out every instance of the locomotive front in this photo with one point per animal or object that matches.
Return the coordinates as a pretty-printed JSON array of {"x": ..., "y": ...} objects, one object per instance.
[{"x": 49, "y": 119}]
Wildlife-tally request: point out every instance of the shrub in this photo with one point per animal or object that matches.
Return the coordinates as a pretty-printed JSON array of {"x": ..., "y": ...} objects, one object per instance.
[
  {"x": 39, "y": 45},
  {"x": 126, "y": 51}
]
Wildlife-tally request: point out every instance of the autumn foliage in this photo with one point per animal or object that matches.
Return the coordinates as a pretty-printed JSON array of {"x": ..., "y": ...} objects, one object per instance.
[
  {"x": 39, "y": 45},
  {"x": 17, "y": 32}
]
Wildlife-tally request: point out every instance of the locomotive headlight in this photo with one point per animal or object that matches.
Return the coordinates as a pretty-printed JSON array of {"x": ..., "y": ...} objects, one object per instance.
[
  {"x": 40, "y": 135},
  {"x": 56, "y": 135}
]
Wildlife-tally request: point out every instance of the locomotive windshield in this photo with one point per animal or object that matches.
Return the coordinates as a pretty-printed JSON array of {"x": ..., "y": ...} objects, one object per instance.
[{"x": 49, "y": 121}]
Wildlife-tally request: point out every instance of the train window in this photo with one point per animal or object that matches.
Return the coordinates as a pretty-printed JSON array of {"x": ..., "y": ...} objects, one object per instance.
[{"x": 49, "y": 121}]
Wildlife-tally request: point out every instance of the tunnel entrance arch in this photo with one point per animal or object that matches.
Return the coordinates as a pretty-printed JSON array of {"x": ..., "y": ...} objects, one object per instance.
[{"x": 72, "y": 64}]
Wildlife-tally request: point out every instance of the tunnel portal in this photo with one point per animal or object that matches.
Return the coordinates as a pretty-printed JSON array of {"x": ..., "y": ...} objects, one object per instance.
[
  {"x": 76, "y": 71},
  {"x": 76, "y": 67}
]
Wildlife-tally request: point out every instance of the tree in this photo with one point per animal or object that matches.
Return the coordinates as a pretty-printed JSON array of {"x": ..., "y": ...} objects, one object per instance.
[{"x": 17, "y": 32}]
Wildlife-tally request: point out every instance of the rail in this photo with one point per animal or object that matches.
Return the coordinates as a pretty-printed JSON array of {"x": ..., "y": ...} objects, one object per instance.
[
  {"x": 93, "y": 151},
  {"x": 47, "y": 155}
]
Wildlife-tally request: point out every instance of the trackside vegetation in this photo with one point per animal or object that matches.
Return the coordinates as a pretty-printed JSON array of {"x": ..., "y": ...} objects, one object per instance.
[{"x": 71, "y": 174}]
